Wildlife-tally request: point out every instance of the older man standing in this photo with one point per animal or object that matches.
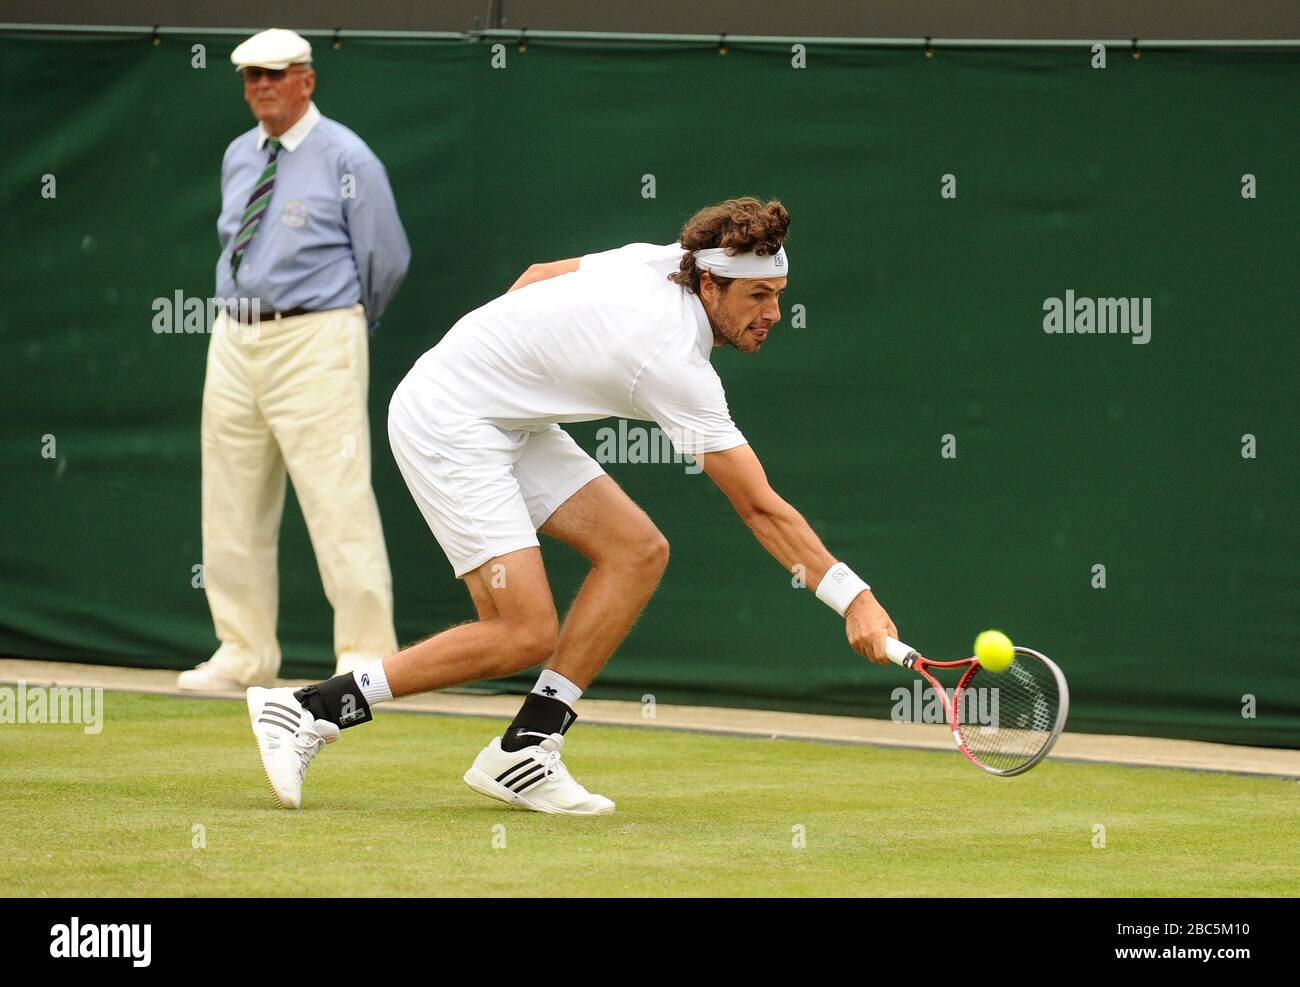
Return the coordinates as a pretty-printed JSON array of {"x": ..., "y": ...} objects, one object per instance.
[{"x": 313, "y": 246}]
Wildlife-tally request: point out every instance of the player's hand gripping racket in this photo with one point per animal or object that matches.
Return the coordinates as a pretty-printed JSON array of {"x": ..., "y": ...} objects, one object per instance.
[{"x": 1009, "y": 721}]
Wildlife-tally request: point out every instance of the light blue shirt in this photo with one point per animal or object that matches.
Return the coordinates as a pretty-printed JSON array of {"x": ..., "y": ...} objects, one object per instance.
[{"x": 330, "y": 237}]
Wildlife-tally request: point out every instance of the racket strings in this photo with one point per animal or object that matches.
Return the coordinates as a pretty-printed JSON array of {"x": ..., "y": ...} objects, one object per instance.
[{"x": 1006, "y": 719}]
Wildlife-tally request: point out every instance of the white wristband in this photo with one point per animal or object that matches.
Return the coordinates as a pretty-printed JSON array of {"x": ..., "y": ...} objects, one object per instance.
[{"x": 840, "y": 587}]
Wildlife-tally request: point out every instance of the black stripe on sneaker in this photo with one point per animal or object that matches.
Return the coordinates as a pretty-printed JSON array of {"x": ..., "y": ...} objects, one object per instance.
[
  {"x": 529, "y": 780},
  {"x": 275, "y": 716},
  {"x": 510, "y": 770},
  {"x": 510, "y": 781}
]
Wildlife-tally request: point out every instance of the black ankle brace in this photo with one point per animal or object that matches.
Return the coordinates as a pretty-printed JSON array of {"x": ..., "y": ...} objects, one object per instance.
[
  {"x": 539, "y": 714},
  {"x": 337, "y": 700}
]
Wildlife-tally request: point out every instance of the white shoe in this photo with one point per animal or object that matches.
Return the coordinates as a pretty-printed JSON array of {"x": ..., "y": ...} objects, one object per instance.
[
  {"x": 533, "y": 778},
  {"x": 208, "y": 678},
  {"x": 288, "y": 737}
]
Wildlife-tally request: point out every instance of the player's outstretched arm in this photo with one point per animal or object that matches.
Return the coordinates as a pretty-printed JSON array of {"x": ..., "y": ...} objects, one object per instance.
[
  {"x": 783, "y": 531},
  {"x": 540, "y": 272}
]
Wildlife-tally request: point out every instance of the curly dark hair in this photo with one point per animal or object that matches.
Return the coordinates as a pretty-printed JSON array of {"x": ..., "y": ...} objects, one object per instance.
[{"x": 741, "y": 225}]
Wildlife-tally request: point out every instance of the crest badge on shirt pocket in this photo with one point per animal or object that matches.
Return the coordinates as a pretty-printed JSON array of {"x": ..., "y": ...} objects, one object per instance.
[{"x": 294, "y": 214}]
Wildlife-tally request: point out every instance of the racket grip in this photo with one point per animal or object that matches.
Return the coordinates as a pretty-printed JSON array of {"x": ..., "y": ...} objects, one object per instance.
[{"x": 897, "y": 651}]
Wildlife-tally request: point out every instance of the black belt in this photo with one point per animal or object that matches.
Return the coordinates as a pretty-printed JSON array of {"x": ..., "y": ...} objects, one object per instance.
[{"x": 255, "y": 315}]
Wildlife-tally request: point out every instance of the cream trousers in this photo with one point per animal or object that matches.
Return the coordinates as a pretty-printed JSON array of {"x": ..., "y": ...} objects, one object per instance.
[{"x": 288, "y": 396}]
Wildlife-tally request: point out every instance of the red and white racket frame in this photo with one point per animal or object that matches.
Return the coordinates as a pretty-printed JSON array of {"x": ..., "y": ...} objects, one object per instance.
[{"x": 911, "y": 659}]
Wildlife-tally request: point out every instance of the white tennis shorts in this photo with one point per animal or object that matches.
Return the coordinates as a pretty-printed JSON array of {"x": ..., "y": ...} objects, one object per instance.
[{"x": 483, "y": 490}]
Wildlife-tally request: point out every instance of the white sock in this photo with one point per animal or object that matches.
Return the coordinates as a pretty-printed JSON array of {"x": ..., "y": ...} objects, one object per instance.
[
  {"x": 373, "y": 683},
  {"x": 556, "y": 686}
]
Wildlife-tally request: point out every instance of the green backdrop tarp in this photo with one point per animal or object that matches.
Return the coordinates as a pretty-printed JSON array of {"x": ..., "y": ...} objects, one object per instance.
[{"x": 924, "y": 318}]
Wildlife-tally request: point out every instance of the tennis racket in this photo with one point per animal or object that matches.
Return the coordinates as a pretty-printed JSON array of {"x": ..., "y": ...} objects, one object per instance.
[{"x": 1007, "y": 722}]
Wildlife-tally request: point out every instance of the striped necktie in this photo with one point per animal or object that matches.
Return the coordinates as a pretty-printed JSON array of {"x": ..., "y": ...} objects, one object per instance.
[{"x": 257, "y": 203}]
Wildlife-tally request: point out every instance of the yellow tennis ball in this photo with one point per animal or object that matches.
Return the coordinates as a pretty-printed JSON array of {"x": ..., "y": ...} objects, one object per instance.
[{"x": 994, "y": 651}]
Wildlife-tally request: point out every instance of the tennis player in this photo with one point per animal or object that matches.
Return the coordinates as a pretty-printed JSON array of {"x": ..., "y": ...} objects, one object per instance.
[{"x": 475, "y": 429}]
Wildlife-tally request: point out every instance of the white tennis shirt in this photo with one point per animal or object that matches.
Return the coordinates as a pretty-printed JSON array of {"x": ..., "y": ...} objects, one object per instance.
[{"x": 615, "y": 338}]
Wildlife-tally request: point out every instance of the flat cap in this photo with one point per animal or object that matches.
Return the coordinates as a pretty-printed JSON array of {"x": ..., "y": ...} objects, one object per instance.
[{"x": 275, "y": 48}]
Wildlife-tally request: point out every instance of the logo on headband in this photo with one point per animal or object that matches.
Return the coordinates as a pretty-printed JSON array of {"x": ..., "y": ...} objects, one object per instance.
[{"x": 779, "y": 258}]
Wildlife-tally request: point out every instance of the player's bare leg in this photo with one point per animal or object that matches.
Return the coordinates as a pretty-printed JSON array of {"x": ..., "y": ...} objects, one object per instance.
[
  {"x": 517, "y": 628},
  {"x": 517, "y": 625},
  {"x": 628, "y": 556}
]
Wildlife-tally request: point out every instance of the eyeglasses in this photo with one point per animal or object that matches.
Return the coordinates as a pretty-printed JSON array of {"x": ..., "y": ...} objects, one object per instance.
[{"x": 255, "y": 73}]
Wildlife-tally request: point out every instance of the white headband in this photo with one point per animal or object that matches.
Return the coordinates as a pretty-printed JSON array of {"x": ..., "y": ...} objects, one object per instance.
[{"x": 716, "y": 260}]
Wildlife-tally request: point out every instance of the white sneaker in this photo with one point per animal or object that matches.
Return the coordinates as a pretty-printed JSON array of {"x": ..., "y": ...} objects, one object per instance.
[
  {"x": 533, "y": 778},
  {"x": 288, "y": 737},
  {"x": 208, "y": 678}
]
